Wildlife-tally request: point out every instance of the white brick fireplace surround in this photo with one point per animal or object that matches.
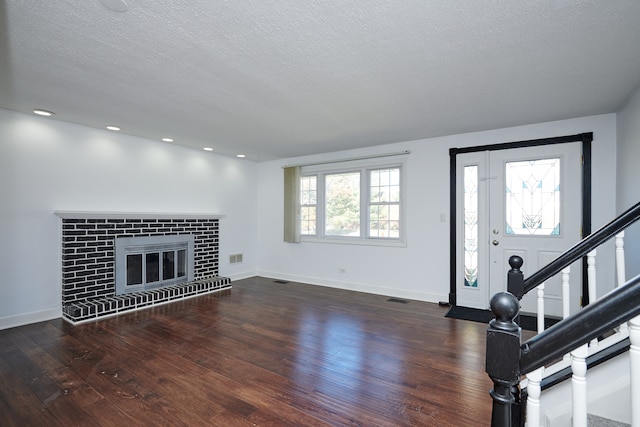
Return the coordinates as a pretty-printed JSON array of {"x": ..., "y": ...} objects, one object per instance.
[{"x": 88, "y": 261}]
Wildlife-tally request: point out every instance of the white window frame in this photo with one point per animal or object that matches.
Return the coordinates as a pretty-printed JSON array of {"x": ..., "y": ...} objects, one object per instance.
[
  {"x": 364, "y": 167},
  {"x": 304, "y": 205}
]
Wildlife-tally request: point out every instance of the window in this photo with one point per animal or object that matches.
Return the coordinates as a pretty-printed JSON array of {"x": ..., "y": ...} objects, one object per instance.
[
  {"x": 352, "y": 202},
  {"x": 308, "y": 202},
  {"x": 384, "y": 203},
  {"x": 342, "y": 204}
]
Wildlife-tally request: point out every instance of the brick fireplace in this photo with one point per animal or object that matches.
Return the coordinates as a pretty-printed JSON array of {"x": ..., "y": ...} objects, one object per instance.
[{"x": 89, "y": 267}]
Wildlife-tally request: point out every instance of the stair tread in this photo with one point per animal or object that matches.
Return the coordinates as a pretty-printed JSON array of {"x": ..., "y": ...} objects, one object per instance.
[{"x": 596, "y": 421}]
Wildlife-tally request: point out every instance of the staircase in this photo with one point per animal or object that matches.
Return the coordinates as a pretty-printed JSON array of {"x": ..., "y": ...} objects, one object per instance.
[{"x": 582, "y": 371}]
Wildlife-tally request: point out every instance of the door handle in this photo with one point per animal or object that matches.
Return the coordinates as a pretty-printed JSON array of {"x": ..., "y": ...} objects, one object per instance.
[{"x": 495, "y": 243}]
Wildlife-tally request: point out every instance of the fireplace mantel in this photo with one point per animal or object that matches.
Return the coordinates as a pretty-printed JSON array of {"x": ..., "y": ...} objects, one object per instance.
[{"x": 133, "y": 215}]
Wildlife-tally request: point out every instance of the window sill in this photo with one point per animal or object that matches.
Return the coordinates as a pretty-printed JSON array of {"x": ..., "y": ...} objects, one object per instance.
[{"x": 357, "y": 242}]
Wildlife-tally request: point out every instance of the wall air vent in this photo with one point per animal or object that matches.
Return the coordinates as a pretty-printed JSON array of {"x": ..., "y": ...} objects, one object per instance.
[{"x": 235, "y": 259}]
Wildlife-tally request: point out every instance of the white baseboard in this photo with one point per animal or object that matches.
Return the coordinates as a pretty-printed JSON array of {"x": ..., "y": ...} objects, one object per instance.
[
  {"x": 54, "y": 313},
  {"x": 240, "y": 276},
  {"x": 27, "y": 318},
  {"x": 358, "y": 287}
]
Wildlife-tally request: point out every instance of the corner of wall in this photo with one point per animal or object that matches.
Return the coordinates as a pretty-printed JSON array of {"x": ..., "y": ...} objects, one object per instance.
[{"x": 28, "y": 318}]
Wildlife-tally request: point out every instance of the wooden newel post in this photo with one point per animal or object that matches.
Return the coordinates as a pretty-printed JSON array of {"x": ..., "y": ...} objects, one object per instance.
[
  {"x": 515, "y": 278},
  {"x": 503, "y": 360}
]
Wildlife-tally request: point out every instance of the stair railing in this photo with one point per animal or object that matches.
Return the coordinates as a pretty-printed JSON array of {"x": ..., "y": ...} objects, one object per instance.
[
  {"x": 518, "y": 286},
  {"x": 508, "y": 359},
  {"x": 580, "y": 249}
]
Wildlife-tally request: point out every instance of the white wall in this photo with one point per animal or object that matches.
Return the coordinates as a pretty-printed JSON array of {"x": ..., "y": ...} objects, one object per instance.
[
  {"x": 421, "y": 270},
  {"x": 48, "y": 165},
  {"x": 628, "y": 176}
]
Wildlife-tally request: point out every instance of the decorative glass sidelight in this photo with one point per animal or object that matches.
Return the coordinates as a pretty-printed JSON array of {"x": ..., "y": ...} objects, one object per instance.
[
  {"x": 471, "y": 226},
  {"x": 532, "y": 199}
]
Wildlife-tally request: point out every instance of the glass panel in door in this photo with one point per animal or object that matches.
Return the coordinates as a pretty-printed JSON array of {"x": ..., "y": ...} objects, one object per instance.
[
  {"x": 471, "y": 226},
  {"x": 532, "y": 197}
]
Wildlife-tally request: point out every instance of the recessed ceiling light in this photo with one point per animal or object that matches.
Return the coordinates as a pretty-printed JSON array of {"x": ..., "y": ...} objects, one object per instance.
[
  {"x": 208, "y": 149},
  {"x": 43, "y": 113},
  {"x": 116, "y": 128},
  {"x": 167, "y": 139},
  {"x": 242, "y": 156}
]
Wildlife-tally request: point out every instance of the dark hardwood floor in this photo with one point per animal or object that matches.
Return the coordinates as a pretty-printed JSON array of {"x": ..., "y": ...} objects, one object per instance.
[{"x": 263, "y": 353}]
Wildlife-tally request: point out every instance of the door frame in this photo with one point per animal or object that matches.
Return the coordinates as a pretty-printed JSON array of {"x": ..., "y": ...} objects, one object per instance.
[{"x": 585, "y": 138}]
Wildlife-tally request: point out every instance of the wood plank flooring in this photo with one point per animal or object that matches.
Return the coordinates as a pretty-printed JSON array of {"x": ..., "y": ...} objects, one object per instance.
[{"x": 263, "y": 353}]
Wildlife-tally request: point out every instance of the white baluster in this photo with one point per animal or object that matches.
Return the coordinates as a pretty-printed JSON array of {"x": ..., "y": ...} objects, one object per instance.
[
  {"x": 579, "y": 385},
  {"x": 620, "y": 267},
  {"x": 591, "y": 278},
  {"x": 634, "y": 357},
  {"x": 621, "y": 271},
  {"x": 533, "y": 397},
  {"x": 566, "y": 297},
  {"x": 566, "y": 294},
  {"x": 540, "y": 307}
]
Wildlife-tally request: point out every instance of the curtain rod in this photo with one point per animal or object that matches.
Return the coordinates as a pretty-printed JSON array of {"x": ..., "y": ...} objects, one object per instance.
[{"x": 350, "y": 159}]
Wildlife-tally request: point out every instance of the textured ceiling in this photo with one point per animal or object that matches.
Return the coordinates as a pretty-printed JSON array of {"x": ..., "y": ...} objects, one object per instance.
[{"x": 283, "y": 78}]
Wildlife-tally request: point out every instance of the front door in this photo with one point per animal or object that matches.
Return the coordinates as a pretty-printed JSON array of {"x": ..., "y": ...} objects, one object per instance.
[{"x": 519, "y": 201}]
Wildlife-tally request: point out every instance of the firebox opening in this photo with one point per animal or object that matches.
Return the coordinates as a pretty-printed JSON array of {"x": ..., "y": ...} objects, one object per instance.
[{"x": 144, "y": 263}]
